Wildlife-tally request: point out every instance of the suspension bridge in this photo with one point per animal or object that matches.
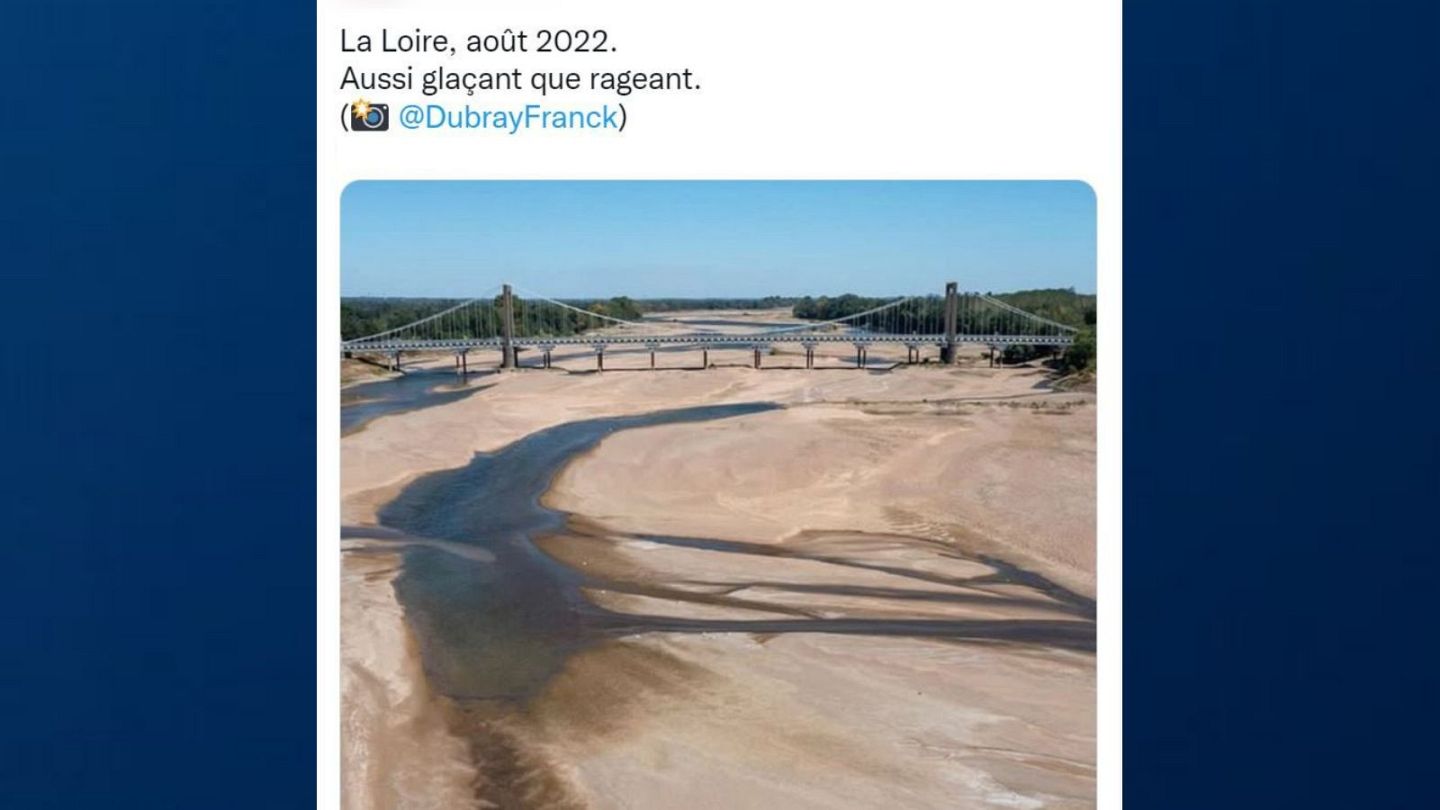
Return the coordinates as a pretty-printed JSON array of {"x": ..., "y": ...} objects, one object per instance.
[{"x": 508, "y": 324}]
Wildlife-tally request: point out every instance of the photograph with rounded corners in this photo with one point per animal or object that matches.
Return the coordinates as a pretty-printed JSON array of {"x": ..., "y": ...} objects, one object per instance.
[{"x": 727, "y": 494}]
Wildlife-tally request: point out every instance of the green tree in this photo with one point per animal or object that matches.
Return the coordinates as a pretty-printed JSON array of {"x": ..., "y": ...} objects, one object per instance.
[{"x": 1080, "y": 355}]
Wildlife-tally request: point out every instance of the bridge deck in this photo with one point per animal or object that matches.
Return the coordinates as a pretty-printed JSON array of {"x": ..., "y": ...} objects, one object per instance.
[{"x": 700, "y": 340}]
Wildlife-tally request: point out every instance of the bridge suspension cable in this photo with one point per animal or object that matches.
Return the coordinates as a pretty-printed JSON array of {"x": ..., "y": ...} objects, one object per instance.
[
  {"x": 1032, "y": 316},
  {"x": 490, "y": 294},
  {"x": 538, "y": 297},
  {"x": 490, "y": 319},
  {"x": 532, "y": 320},
  {"x": 847, "y": 319}
]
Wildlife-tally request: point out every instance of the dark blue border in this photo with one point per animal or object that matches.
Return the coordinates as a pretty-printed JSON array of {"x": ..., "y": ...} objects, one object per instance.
[
  {"x": 1280, "y": 439},
  {"x": 158, "y": 288},
  {"x": 1281, "y": 455}
]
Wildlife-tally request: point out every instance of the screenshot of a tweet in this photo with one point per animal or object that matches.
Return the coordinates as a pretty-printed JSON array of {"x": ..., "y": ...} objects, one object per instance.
[{"x": 728, "y": 404}]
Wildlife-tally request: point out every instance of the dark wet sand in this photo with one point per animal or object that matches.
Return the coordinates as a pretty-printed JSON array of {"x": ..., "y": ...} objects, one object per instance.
[
  {"x": 363, "y": 403},
  {"x": 495, "y": 629}
]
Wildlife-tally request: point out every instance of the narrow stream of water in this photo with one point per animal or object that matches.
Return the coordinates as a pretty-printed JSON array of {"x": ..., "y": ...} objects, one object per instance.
[{"x": 363, "y": 403}]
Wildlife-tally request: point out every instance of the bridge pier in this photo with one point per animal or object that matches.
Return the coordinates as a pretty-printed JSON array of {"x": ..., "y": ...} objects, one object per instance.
[
  {"x": 809, "y": 355},
  {"x": 507, "y": 328},
  {"x": 395, "y": 361},
  {"x": 705, "y": 357},
  {"x": 757, "y": 356},
  {"x": 545, "y": 359},
  {"x": 948, "y": 353}
]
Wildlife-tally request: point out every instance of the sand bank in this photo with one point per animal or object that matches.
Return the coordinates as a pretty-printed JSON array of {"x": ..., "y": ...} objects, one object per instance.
[
  {"x": 930, "y": 460},
  {"x": 397, "y": 750}
]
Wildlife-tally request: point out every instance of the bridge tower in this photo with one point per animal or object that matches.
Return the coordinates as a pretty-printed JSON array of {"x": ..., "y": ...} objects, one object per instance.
[
  {"x": 952, "y": 312},
  {"x": 507, "y": 328}
]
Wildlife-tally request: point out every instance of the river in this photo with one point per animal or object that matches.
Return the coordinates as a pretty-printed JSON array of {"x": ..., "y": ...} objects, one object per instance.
[
  {"x": 495, "y": 617},
  {"x": 363, "y": 403}
]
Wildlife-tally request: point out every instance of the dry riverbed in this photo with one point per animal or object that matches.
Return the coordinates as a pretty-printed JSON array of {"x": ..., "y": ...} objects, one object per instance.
[{"x": 879, "y": 595}]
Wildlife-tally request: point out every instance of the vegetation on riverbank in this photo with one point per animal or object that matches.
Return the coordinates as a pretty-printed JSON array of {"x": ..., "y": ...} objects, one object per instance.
[
  {"x": 360, "y": 317},
  {"x": 1060, "y": 305}
]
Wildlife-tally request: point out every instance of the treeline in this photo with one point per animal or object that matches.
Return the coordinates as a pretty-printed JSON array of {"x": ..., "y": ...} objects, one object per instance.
[
  {"x": 367, "y": 316},
  {"x": 826, "y": 308},
  {"x": 1060, "y": 305},
  {"x": 1063, "y": 306},
  {"x": 619, "y": 307},
  {"x": 361, "y": 317},
  {"x": 1078, "y": 356}
]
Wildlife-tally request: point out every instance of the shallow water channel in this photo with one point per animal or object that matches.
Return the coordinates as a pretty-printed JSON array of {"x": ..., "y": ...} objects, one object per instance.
[{"x": 495, "y": 616}]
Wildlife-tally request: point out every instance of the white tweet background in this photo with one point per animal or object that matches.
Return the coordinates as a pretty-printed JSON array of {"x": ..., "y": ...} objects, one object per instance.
[{"x": 961, "y": 90}]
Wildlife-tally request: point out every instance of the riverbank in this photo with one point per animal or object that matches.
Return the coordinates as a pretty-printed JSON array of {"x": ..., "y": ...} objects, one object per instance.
[{"x": 860, "y": 523}]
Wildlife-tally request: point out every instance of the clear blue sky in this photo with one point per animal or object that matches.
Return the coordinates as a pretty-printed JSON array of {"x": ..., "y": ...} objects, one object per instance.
[{"x": 698, "y": 239}]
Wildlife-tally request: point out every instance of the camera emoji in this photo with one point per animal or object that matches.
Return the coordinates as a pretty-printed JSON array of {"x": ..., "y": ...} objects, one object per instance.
[{"x": 369, "y": 117}]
